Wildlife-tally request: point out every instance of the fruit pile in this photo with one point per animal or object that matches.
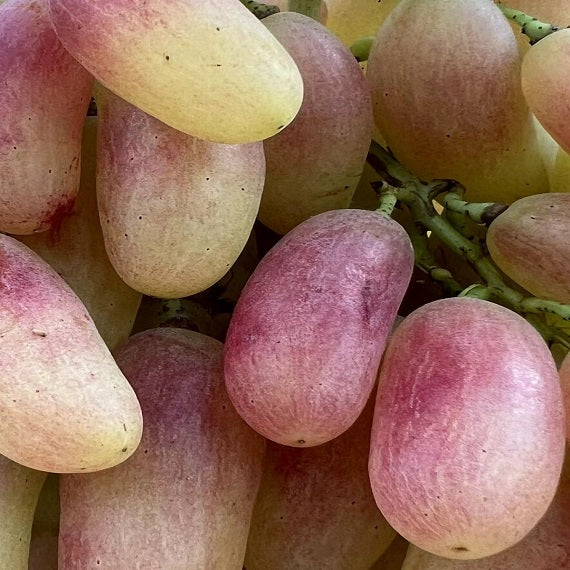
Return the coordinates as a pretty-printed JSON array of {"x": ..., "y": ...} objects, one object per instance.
[{"x": 284, "y": 287}]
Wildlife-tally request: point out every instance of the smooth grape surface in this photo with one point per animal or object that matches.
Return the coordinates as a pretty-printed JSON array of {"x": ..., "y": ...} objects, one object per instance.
[
  {"x": 530, "y": 242},
  {"x": 184, "y": 499},
  {"x": 468, "y": 435},
  {"x": 309, "y": 329},
  {"x": 210, "y": 69},
  {"x": 445, "y": 79},
  {"x": 315, "y": 164}
]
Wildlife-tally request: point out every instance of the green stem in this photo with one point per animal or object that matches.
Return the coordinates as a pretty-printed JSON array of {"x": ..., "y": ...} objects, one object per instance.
[
  {"x": 479, "y": 212},
  {"x": 311, "y": 8},
  {"x": 418, "y": 197},
  {"x": 259, "y": 9},
  {"x": 426, "y": 262},
  {"x": 531, "y": 27},
  {"x": 360, "y": 49},
  {"x": 388, "y": 201}
]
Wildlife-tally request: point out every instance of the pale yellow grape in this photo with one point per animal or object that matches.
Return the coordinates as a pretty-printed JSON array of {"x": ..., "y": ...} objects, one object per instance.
[
  {"x": 210, "y": 69},
  {"x": 445, "y": 78},
  {"x": 546, "y": 84}
]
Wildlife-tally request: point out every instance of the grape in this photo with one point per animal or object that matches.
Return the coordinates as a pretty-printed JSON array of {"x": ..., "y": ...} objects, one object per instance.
[
  {"x": 185, "y": 497},
  {"x": 468, "y": 435},
  {"x": 210, "y": 69},
  {"x": 315, "y": 508},
  {"x": 77, "y": 252},
  {"x": 19, "y": 491},
  {"x": 308, "y": 331},
  {"x": 546, "y": 547},
  {"x": 445, "y": 79},
  {"x": 176, "y": 211},
  {"x": 65, "y": 405},
  {"x": 546, "y": 84},
  {"x": 45, "y": 528},
  {"x": 314, "y": 165},
  {"x": 44, "y": 95},
  {"x": 529, "y": 242}
]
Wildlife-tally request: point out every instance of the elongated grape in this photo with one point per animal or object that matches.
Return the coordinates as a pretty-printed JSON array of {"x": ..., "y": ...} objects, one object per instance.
[
  {"x": 65, "y": 405},
  {"x": 176, "y": 211},
  {"x": 314, "y": 165},
  {"x": 184, "y": 499},
  {"x": 210, "y": 69},
  {"x": 44, "y": 95},
  {"x": 546, "y": 84},
  {"x": 468, "y": 426},
  {"x": 315, "y": 508},
  {"x": 76, "y": 250},
  {"x": 531, "y": 244},
  {"x": 546, "y": 547},
  {"x": 445, "y": 79},
  {"x": 308, "y": 331}
]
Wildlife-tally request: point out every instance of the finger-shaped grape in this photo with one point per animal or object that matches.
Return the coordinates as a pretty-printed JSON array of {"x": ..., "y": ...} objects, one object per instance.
[
  {"x": 44, "y": 95},
  {"x": 184, "y": 499},
  {"x": 176, "y": 211},
  {"x": 309, "y": 329},
  {"x": 210, "y": 69},
  {"x": 66, "y": 406},
  {"x": 315, "y": 508},
  {"x": 445, "y": 79},
  {"x": 546, "y": 84},
  {"x": 468, "y": 435}
]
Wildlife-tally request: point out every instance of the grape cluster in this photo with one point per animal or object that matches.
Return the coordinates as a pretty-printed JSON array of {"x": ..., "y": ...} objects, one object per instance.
[{"x": 284, "y": 286}]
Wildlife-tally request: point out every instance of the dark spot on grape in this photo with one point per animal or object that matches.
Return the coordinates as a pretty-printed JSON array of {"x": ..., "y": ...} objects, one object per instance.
[
  {"x": 125, "y": 427},
  {"x": 167, "y": 57},
  {"x": 280, "y": 127},
  {"x": 301, "y": 441},
  {"x": 218, "y": 29},
  {"x": 484, "y": 450},
  {"x": 460, "y": 549},
  {"x": 49, "y": 171},
  {"x": 124, "y": 450}
]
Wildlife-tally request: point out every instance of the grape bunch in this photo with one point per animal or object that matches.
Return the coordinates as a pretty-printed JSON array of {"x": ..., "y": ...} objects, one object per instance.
[{"x": 284, "y": 286}]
